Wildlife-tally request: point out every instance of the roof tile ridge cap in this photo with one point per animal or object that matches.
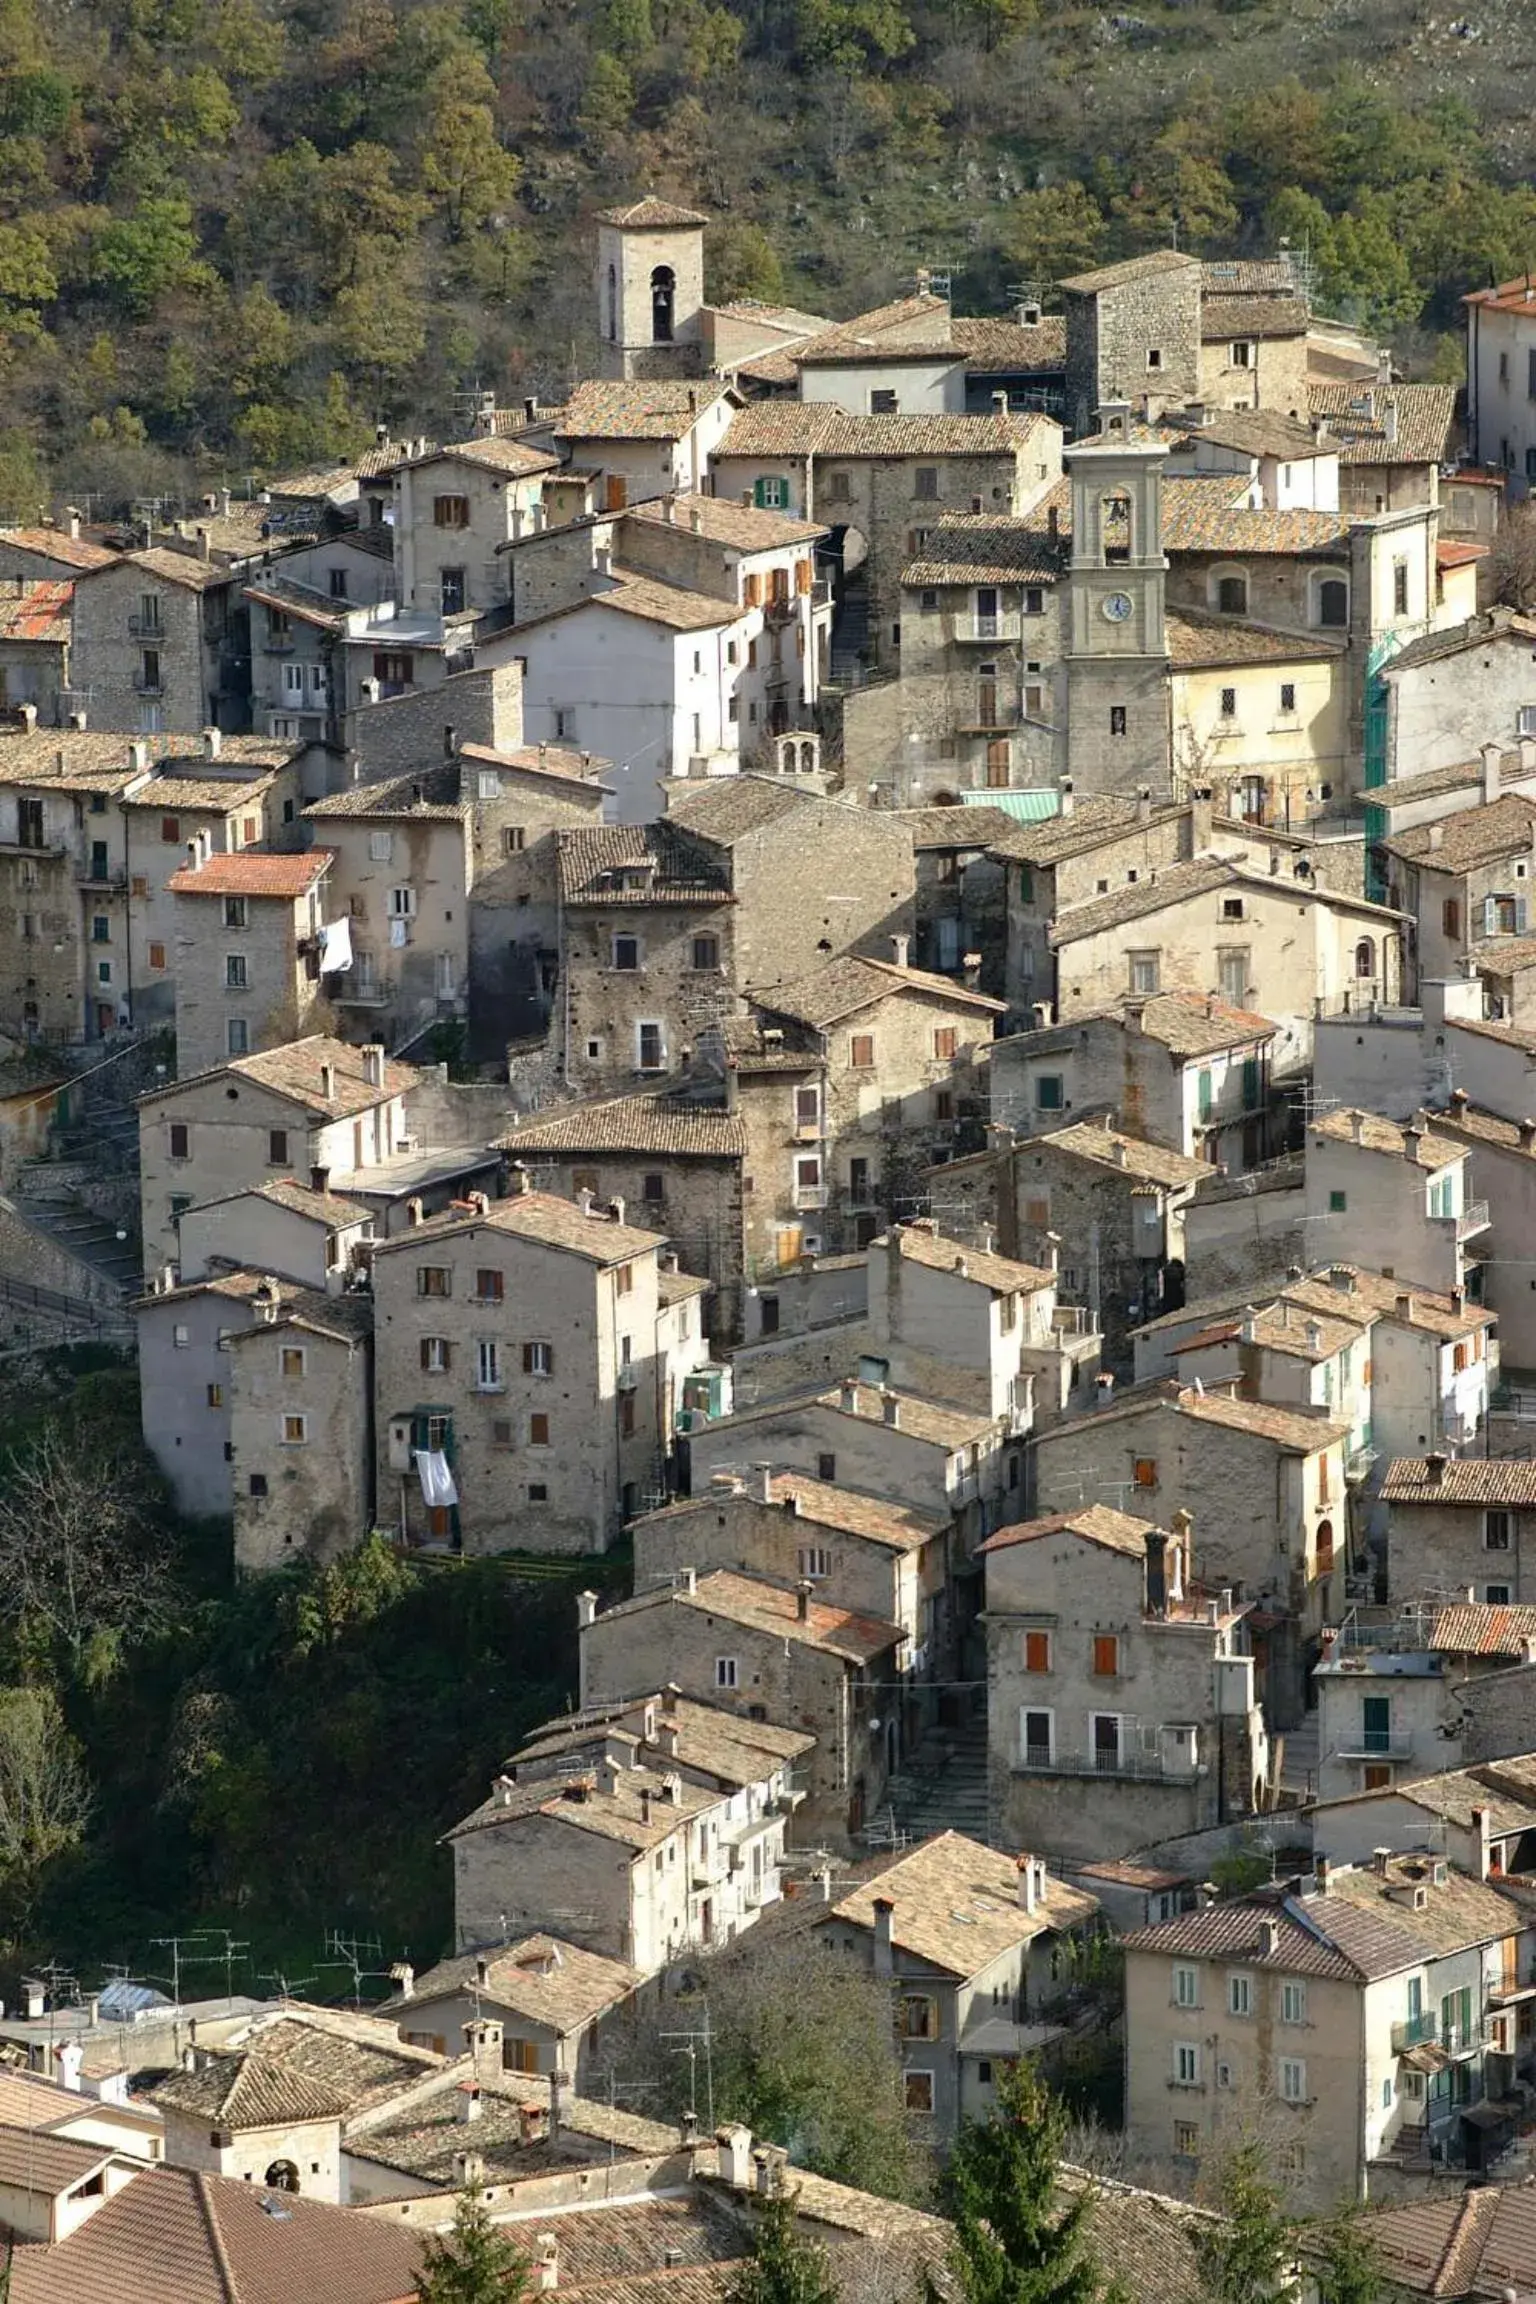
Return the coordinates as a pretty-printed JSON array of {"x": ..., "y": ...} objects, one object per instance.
[{"x": 203, "y": 2183}]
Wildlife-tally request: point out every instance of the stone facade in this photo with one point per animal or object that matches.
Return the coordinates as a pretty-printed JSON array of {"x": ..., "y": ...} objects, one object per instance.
[
  {"x": 399, "y": 734},
  {"x": 1132, "y": 329},
  {"x": 300, "y": 1429},
  {"x": 454, "y": 508},
  {"x": 247, "y": 964},
  {"x": 157, "y": 644},
  {"x": 1455, "y": 1547},
  {"x": 649, "y": 293},
  {"x": 1210, "y": 1106}
]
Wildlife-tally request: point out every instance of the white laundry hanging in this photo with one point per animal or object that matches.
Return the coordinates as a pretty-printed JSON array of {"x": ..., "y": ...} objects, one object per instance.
[
  {"x": 335, "y": 946},
  {"x": 437, "y": 1486}
]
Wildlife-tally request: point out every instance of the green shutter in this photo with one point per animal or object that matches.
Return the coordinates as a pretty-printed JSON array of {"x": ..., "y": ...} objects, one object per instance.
[
  {"x": 1250, "y": 1082},
  {"x": 760, "y": 494},
  {"x": 1205, "y": 1095}
]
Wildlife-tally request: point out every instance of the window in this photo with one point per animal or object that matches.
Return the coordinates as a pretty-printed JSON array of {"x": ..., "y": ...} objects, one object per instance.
[
  {"x": 882, "y": 402},
  {"x": 1145, "y": 968},
  {"x": 234, "y": 912},
  {"x": 705, "y": 955},
  {"x": 663, "y": 290},
  {"x": 1144, "y": 1473},
  {"x": 946, "y": 1041},
  {"x": 157, "y": 955},
  {"x": 1186, "y": 1986},
  {"x": 1037, "y": 1651},
  {"x": 101, "y": 928},
  {"x": 1039, "y": 1738},
  {"x": 181, "y": 1140},
  {"x": 434, "y": 1280},
  {"x": 1293, "y": 2080},
  {"x": 488, "y": 1365},
  {"x": 1496, "y": 1595},
  {"x": 103, "y": 971},
  {"x": 1186, "y": 2064},
  {"x": 215, "y": 1395},
  {"x": 402, "y": 903},
  {"x": 436, "y": 1355},
  {"x": 1117, "y": 719},
  {"x": 919, "y": 2018},
  {"x": 538, "y": 1430},
  {"x": 650, "y": 1054},
  {"x": 1034, "y": 600},
  {"x": 1154, "y": 356},
  {"x": 1399, "y": 587},
  {"x": 1239, "y": 1995},
  {"x": 295, "y": 1431},
  {"x": 450, "y": 511},
  {"x": 1331, "y": 602},
  {"x": 623, "y": 1280},
  {"x": 917, "y": 2086},
  {"x": 826, "y": 1467},
  {"x": 235, "y": 978},
  {"x": 861, "y": 1052},
  {"x": 1496, "y": 1527},
  {"x": 381, "y": 846},
  {"x": 1293, "y": 2003},
  {"x": 538, "y": 1358},
  {"x": 1232, "y": 973},
  {"x": 1232, "y": 595},
  {"x": 1287, "y": 696},
  {"x": 1240, "y": 354},
  {"x": 727, "y": 1672},
  {"x": 626, "y": 953},
  {"x": 149, "y": 671},
  {"x": 1186, "y": 2140},
  {"x": 258, "y": 1484},
  {"x": 452, "y": 589},
  {"x": 839, "y": 488},
  {"x": 815, "y": 1561},
  {"x": 770, "y": 493},
  {"x": 291, "y": 1360},
  {"x": 1106, "y": 1655}
]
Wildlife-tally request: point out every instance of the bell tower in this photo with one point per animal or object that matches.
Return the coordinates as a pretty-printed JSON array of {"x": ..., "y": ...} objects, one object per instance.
[
  {"x": 650, "y": 290},
  {"x": 1115, "y": 648}
]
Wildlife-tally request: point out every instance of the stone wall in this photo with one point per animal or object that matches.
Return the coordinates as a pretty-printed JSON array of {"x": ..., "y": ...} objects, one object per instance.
[{"x": 483, "y": 706}]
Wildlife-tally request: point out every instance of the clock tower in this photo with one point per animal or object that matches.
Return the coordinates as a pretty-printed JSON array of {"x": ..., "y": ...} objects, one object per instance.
[{"x": 1115, "y": 650}]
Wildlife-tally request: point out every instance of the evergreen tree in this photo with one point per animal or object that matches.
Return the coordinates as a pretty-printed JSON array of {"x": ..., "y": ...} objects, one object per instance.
[
  {"x": 1247, "y": 2258},
  {"x": 1013, "y": 2243},
  {"x": 784, "y": 2267},
  {"x": 1344, "y": 2262},
  {"x": 471, "y": 2263}
]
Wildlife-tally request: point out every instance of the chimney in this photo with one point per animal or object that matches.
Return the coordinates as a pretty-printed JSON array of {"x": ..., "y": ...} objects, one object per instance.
[
  {"x": 328, "y": 1083},
  {"x": 584, "y": 1200},
  {"x": 1320, "y": 1874},
  {"x": 547, "y": 2263},
  {"x": 213, "y": 743},
  {"x": 1481, "y": 1822},
  {"x": 1269, "y": 1938},
  {"x": 1436, "y": 835},
  {"x": 1527, "y": 1134},
  {"x": 1403, "y": 1305},
  {"x": 556, "y": 2099},
  {"x": 415, "y": 1210},
  {"x": 885, "y": 1961},
  {"x": 586, "y": 1609},
  {"x": 1068, "y": 796},
  {"x": 518, "y": 1180},
  {"x": 1157, "y": 1573},
  {"x": 848, "y": 1396},
  {"x": 1357, "y": 1126},
  {"x": 695, "y": 520},
  {"x": 68, "y": 2062},
  {"x": 1380, "y": 1859},
  {"x": 373, "y": 1064},
  {"x": 1053, "y": 525},
  {"x": 467, "y": 2104},
  {"x": 616, "y": 1210},
  {"x": 764, "y": 1487},
  {"x": 645, "y": 1804},
  {"x": 1458, "y": 1101},
  {"x": 803, "y": 1591},
  {"x": 469, "y": 2169},
  {"x": 204, "y": 545},
  {"x": 1202, "y": 819},
  {"x": 1434, "y": 1468},
  {"x": 1493, "y": 755},
  {"x": 1413, "y": 1139},
  {"x": 890, "y": 1410},
  {"x": 1143, "y": 803},
  {"x": 735, "y": 2144},
  {"x": 1024, "y": 1866},
  {"x": 900, "y": 948}
]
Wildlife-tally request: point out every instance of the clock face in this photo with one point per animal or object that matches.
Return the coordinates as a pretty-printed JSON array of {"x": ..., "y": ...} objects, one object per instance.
[{"x": 1117, "y": 607}]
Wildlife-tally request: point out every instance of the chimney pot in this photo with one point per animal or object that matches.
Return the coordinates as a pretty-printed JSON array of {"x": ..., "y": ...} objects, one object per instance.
[
  {"x": 885, "y": 1958},
  {"x": 900, "y": 947}
]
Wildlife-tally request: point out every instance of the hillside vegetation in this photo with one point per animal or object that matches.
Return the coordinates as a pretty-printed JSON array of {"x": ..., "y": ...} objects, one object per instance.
[{"x": 235, "y": 235}]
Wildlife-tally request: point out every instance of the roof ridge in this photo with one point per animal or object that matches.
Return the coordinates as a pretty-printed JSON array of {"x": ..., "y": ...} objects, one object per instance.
[{"x": 202, "y": 2184}]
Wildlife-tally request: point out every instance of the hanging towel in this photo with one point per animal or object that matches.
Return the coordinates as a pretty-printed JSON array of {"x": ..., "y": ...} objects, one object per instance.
[
  {"x": 437, "y": 1486},
  {"x": 335, "y": 946}
]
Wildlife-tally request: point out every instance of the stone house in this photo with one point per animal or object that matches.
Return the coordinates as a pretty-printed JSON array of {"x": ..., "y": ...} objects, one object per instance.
[
  {"x": 881, "y": 482},
  {"x": 1192, "y": 1074},
  {"x": 1504, "y": 1175},
  {"x": 312, "y": 1109},
  {"x": 1501, "y": 343},
  {"x": 281, "y": 1227},
  {"x": 1449, "y": 692},
  {"x": 1107, "y": 1661},
  {"x": 1463, "y": 880},
  {"x": 532, "y": 1359},
  {"x": 454, "y": 508},
  {"x": 1281, "y": 1533},
  {"x": 1276, "y": 943},
  {"x": 549, "y": 1999},
  {"x": 1132, "y": 328},
  {"x": 1318, "y": 1998},
  {"x": 1254, "y": 349},
  {"x": 962, "y": 913},
  {"x": 50, "y": 555},
  {"x": 971, "y": 1943},
  {"x": 251, "y": 943},
  {"x": 645, "y": 438},
  {"x": 1393, "y": 441},
  {"x": 1108, "y": 1207},
  {"x": 35, "y": 631},
  {"x": 1398, "y": 1196},
  {"x": 400, "y": 735},
  {"x": 677, "y": 1162},
  {"x": 1094, "y": 844},
  {"x": 245, "y": 2114},
  {"x": 1264, "y": 714},
  {"x": 1461, "y": 1527},
  {"x": 1401, "y": 1702},
  {"x": 161, "y": 640},
  {"x": 63, "y": 902},
  {"x": 256, "y": 1399},
  {"x": 774, "y": 1652}
]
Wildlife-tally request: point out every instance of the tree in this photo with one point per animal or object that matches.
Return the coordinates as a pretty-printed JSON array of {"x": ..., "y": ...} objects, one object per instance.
[
  {"x": 1013, "y": 2243},
  {"x": 472, "y": 2263},
  {"x": 82, "y": 1566},
  {"x": 1247, "y": 2257},
  {"x": 1344, "y": 2261},
  {"x": 740, "y": 260},
  {"x": 1055, "y": 232},
  {"x": 464, "y": 165},
  {"x": 783, "y": 2268},
  {"x": 45, "y": 1797}
]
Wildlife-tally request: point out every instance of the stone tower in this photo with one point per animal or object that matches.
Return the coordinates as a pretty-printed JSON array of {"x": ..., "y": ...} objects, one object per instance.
[
  {"x": 650, "y": 289},
  {"x": 1133, "y": 330},
  {"x": 1115, "y": 648}
]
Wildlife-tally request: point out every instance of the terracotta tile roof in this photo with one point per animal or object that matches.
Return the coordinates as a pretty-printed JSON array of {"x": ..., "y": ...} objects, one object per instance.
[
  {"x": 1470, "y": 1120},
  {"x": 633, "y": 594},
  {"x": 658, "y": 410},
  {"x": 886, "y": 326},
  {"x": 58, "y": 544},
  {"x": 743, "y": 527},
  {"x": 1350, "y": 1125},
  {"x": 1088, "y": 824},
  {"x": 1254, "y": 432},
  {"x": 1202, "y": 513},
  {"x": 247, "y": 872},
  {"x": 762, "y": 1607},
  {"x": 1174, "y": 884},
  {"x": 593, "y": 862},
  {"x": 540, "y": 1977},
  {"x": 1506, "y": 1788},
  {"x": 221, "y": 795},
  {"x": 33, "y": 2161},
  {"x": 1514, "y": 295},
  {"x": 540, "y": 760},
  {"x": 1095, "y": 1523},
  {"x": 639, "y": 1812},
  {"x": 334, "y": 1210},
  {"x": 651, "y": 215},
  {"x": 665, "y": 1124},
  {"x": 249, "y": 2089},
  {"x": 1197, "y": 640},
  {"x": 1492, "y": 625},
  {"x": 1230, "y": 316},
  {"x": 724, "y": 1745},
  {"x": 1189, "y": 1026},
  {"x": 1127, "y": 1872},
  {"x": 986, "y": 548},
  {"x": 1150, "y": 267},
  {"x": 346, "y": 1316},
  {"x": 295, "y": 1071},
  {"x": 1323, "y": 1936},
  {"x": 1508, "y": 1035},
  {"x": 1110, "y": 1147},
  {"x": 494, "y": 454},
  {"x": 993, "y": 346},
  {"x": 957, "y": 1905},
  {"x": 1473, "y": 1628},
  {"x": 1451, "y": 554},
  {"x": 41, "y": 613},
  {"x": 955, "y": 827},
  {"x": 1459, "y": 775},
  {"x": 819, "y": 1502},
  {"x": 1457, "y": 1911},
  {"x": 359, "y": 2060},
  {"x": 180, "y": 2238},
  {"x": 920, "y": 1419},
  {"x": 432, "y": 796},
  {"x": 183, "y": 568},
  {"x": 1462, "y": 2244},
  {"x": 725, "y": 809},
  {"x": 820, "y": 428},
  {"x": 845, "y": 986},
  {"x": 1353, "y": 1293},
  {"x": 1473, "y": 1481},
  {"x": 425, "y": 2138},
  {"x": 1146, "y": 2243},
  {"x": 1471, "y": 837},
  {"x": 1248, "y": 276},
  {"x": 919, "y": 1243},
  {"x": 1306, "y": 1337},
  {"x": 1290, "y": 1429},
  {"x": 545, "y": 1219}
]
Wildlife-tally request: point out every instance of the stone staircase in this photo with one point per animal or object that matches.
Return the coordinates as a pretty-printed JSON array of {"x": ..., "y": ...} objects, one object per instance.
[
  {"x": 941, "y": 1788},
  {"x": 90, "y": 1239},
  {"x": 1302, "y": 1757},
  {"x": 850, "y": 638}
]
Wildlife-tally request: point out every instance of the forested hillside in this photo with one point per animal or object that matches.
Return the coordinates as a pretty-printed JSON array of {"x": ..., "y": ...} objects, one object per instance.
[{"x": 236, "y": 234}]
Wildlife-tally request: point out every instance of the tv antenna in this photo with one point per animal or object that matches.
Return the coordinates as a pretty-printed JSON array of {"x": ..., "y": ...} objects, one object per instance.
[
  {"x": 353, "y": 1953},
  {"x": 689, "y": 2046}
]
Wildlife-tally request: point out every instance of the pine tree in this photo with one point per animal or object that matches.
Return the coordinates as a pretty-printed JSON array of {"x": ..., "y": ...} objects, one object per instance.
[
  {"x": 784, "y": 2267},
  {"x": 472, "y": 2263},
  {"x": 1013, "y": 2243},
  {"x": 1344, "y": 2262},
  {"x": 1247, "y": 2259}
]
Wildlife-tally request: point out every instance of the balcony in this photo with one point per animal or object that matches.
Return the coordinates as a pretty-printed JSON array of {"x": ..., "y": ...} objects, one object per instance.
[
  {"x": 626, "y": 1376},
  {"x": 369, "y": 995},
  {"x": 1072, "y": 1320},
  {"x": 1127, "y": 1767},
  {"x": 1473, "y": 1218},
  {"x": 1415, "y": 2031},
  {"x": 1463, "y": 2039},
  {"x": 809, "y": 1131},
  {"x": 821, "y": 593},
  {"x": 983, "y": 629},
  {"x": 1371, "y": 1743},
  {"x": 810, "y": 1196},
  {"x": 145, "y": 628},
  {"x": 103, "y": 876},
  {"x": 143, "y": 685}
]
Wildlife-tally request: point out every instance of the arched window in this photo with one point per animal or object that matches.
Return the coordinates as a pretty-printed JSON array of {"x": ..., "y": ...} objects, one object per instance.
[
  {"x": 1117, "y": 527},
  {"x": 1365, "y": 957},
  {"x": 1324, "y": 1547},
  {"x": 613, "y": 304},
  {"x": 282, "y": 2176},
  {"x": 1330, "y": 601},
  {"x": 807, "y": 756},
  {"x": 663, "y": 289},
  {"x": 1229, "y": 591}
]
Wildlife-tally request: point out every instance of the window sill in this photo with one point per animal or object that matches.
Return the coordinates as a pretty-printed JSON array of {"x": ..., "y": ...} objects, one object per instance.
[
  {"x": 1188, "y": 2087},
  {"x": 486, "y": 1390}
]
